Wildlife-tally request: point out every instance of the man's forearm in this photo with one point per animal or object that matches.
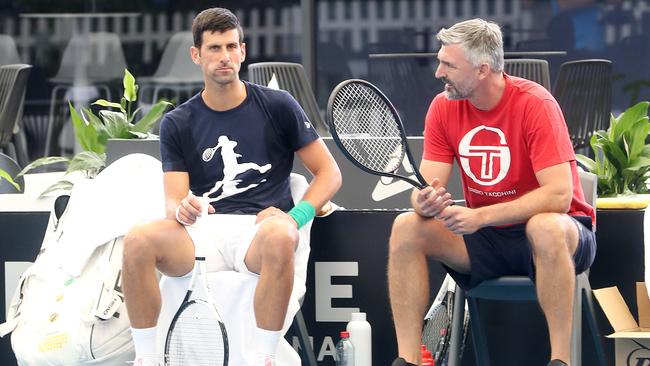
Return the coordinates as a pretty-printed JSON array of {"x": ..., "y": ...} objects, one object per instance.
[{"x": 543, "y": 199}]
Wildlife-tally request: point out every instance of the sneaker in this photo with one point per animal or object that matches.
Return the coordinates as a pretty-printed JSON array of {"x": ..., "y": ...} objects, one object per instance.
[
  {"x": 401, "y": 362},
  {"x": 258, "y": 360},
  {"x": 556, "y": 362},
  {"x": 147, "y": 360}
]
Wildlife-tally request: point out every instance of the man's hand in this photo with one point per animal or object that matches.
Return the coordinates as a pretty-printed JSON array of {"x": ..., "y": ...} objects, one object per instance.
[
  {"x": 272, "y": 211},
  {"x": 189, "y": 209},
  {"x": 460, "y": 220},
  {"x": 430, "y": 201}
]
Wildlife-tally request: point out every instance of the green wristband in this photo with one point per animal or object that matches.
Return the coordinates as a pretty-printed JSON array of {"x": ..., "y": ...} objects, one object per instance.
[{"x": 302, "y": 213}]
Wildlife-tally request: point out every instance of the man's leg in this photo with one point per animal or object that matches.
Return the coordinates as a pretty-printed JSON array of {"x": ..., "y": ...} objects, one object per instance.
[
  {"x": 271, "y": 255},
  {"x": 162, "y": 244},
  {"x": 412, "y": 240},
  {"x": 553, "y": 239}
]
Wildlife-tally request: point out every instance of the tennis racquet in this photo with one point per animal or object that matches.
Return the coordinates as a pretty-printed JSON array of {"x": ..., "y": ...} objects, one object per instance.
[
  {"x": 197, "y": 336},
  {"x": 436, "y": 333},
  {"x": 368, "y": 130}
]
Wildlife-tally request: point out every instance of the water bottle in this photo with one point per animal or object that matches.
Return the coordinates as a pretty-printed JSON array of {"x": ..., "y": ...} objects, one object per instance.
[
  {"x": 344, "y": 350},
  {"x": 426, "y": 356},
  {"x": 361, "y": 337}
]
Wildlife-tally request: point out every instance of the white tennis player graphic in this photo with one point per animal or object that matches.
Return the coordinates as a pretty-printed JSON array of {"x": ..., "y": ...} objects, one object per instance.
[{"x": 231, "y": 168}]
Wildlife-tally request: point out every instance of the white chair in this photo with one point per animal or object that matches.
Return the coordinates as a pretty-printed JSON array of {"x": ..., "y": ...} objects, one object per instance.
[
  {"x": 89, "y": 61},
  {"x": 176, "y": 72},
  {"x": 239, "y": 315},
  {"x": 8, "y": 50}
]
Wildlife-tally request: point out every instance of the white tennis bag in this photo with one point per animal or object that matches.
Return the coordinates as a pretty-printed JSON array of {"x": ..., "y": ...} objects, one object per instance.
[
  {"x": 58, "y": 319},
  {"x": 68, "y": 308}
]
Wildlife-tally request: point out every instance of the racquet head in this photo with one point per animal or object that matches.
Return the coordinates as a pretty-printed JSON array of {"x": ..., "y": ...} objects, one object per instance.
[
  {"x": 435, "y": 328},
  {"x": 196, "y": 337},
  {"x": 368, "y": 130}
]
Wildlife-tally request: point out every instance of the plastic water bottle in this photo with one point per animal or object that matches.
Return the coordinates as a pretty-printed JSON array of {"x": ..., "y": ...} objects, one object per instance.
[
  {"x": 426, "y": 357},
  {"x": 344, "y": 350},
  {"x": 361, "y": 336}
]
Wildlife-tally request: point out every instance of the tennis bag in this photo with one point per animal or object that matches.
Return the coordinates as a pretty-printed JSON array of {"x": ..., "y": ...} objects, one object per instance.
[{"x": 59, "y": 319}]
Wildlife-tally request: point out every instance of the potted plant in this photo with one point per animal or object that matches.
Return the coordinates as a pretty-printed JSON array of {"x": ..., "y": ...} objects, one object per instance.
[
  {"x": 92, "y": 131},
  {"x": 622, "y": 159},
  {"x": 622, "y": 163}
]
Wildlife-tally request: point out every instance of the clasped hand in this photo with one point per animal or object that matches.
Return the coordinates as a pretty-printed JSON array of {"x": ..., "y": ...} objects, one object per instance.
[{"x": 435, "y": 201}]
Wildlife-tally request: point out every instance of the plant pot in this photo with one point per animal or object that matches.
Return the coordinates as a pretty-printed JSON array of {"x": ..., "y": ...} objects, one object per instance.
[
  {"x": 117, "y": 148},
  {"x": 619, "y": 260}
]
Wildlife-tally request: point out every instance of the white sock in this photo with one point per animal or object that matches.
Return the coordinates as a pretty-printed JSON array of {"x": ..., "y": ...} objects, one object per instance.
[
  {"x": 267, "y": 341},
  {"x": 144, "y": 340}
]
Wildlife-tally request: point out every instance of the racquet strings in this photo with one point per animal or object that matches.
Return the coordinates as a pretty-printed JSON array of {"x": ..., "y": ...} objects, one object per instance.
[
  {"x": 432, "y": 336},
  {"x": 196, "y": 338},
  {"x": 368, "y": 128}
]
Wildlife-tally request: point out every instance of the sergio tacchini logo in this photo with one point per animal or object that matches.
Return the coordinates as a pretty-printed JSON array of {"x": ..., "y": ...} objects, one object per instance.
[{"x": 488, "y": 155}]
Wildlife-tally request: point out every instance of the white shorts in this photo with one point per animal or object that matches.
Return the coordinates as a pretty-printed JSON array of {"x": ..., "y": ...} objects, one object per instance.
[{"x": 226, "y": 239}]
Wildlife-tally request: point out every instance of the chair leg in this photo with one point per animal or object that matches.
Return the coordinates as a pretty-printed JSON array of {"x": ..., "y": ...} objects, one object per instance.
[
  {"x": 590, "y": 317},
  {"x": 576, "y": 326},
  {"x": 303, "y": 337},
  {"x": 20, "y": 142},
  {"x": 50, "y": 127},
  {"x": 481, "y": 353},
  {"x": 457, "y": 319}
]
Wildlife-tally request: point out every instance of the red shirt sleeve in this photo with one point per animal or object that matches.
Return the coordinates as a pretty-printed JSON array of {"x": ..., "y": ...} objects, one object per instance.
[
  {"x": 548, "y": 137},
  {"x": 436, "y": 144}
]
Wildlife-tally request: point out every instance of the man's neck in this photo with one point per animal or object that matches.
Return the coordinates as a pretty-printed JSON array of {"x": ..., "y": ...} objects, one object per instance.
[
  {"x": 489, "y": 94},
  {"x": 224, "y": 97}
]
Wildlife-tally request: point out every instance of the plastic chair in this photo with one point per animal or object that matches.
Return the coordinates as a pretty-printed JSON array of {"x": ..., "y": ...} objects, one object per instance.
[
  {"x": 176, "y": 71},
  {"x": 401, "y": 79},
  {"x": 531, "y": 69},
  {"x": 521, "y": 288},
  {"x": 584, "y": 91},
  {"x": 237, "y": 315},
  {"x": 10, "y": 166},
  {"x": 292, "y": 78},
  {"x": 8, "y": 50},
  {"x": 13, "y": 84},
  {"x": 90, "y": 59}
]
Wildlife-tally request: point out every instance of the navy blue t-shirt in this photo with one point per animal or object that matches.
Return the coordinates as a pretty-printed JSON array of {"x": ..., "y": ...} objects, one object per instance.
[{"x": 241, "y": 157}]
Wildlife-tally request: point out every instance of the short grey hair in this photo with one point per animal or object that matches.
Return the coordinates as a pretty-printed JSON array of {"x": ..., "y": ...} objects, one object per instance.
[{"x": 481, "y": 40}]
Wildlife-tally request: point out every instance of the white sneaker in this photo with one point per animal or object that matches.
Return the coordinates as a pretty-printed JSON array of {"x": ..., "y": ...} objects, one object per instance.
[
  {"x": 147, "y": 360},
  {"x": 259, "y": 360}
]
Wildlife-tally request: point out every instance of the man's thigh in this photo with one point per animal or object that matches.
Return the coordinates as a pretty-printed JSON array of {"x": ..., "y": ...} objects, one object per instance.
[{"x": 174, "y": 250}]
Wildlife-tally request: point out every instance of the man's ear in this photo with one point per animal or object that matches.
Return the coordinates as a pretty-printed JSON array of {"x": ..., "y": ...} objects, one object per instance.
[
  {"x": 195, "y": 53},
  {"x": 483, "y": 71},
  {"x": 243, "y": 51}
]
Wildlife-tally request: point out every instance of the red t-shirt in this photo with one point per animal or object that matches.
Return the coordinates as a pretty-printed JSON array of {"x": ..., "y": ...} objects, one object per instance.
[{"x": 500, "y": 150}]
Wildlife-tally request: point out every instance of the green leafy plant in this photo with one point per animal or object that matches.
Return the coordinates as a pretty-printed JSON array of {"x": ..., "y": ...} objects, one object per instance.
[
  {"x": 622, "y": 156},
  {"x": 92, "y": 131},
  {"x": 7, "y": 176}
]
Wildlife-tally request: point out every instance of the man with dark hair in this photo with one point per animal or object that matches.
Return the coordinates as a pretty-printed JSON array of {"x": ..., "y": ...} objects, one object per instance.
[
  {"x": 526, "y": 213},
  {"x": 233, "y": 144}
]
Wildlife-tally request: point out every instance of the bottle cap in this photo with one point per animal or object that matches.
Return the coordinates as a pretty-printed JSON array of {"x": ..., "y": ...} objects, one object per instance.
[
  {"x": 345, "y": 334},
  {"x": 358, "y": 317}
]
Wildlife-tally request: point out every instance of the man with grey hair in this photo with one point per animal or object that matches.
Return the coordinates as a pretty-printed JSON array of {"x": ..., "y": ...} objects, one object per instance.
[{"x": 526, "y": 213}]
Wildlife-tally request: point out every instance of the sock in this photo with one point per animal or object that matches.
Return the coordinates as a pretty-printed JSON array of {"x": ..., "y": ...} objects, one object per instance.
[
  {"x": 267, "y": 341},
  {"x": 144, "y": 340}
]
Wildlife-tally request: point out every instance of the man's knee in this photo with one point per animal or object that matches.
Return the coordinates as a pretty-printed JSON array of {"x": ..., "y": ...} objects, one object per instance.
[
  {"x": 279, "y": 240},
  {"x": 411, "y": 232},
  {"x": 547, "y": 234},
  {"x": 139, "y": 243}
]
